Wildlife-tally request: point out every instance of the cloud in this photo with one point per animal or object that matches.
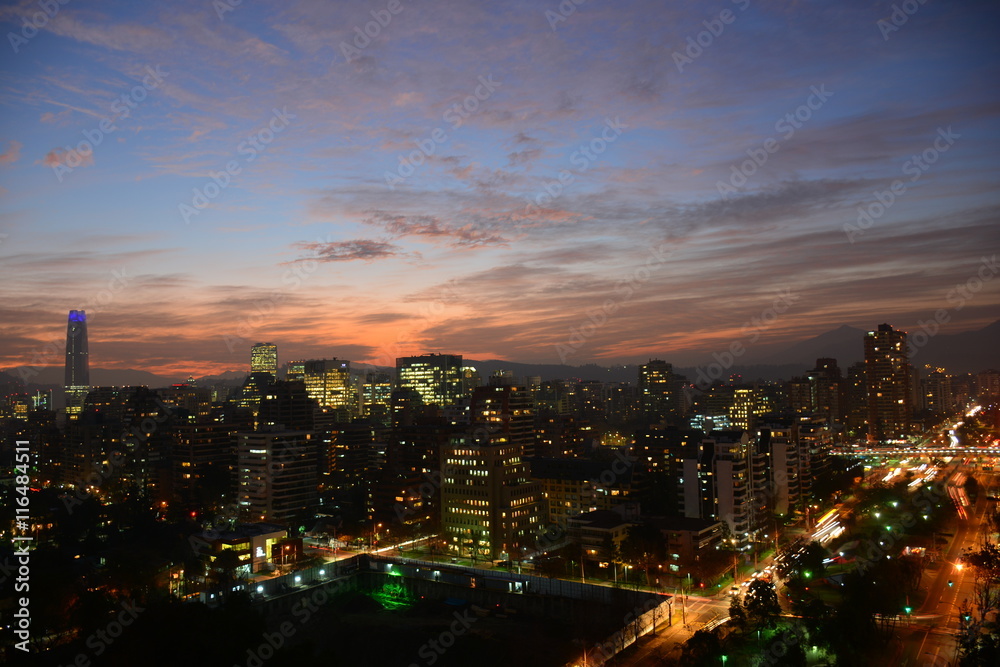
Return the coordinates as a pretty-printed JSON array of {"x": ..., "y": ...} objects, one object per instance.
[
  {"x": 72, "y": 159},
  {"x": 524, "y": 157},
  {"x": 346, "y": 251},
  {"x": 58, "y": 118},
  {"x": 472, "y": 234},
  {"x": 12, "y": 153}
]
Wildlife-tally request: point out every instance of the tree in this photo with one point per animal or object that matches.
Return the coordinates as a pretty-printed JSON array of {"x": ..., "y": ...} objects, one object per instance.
[
  {"x": 761, "y": 604},
  {"x": 737, "y": 615},
  {"x": 812, "y": 559},
  {"x": 979, "y": 640},
  {"x": 703, "y": 649},
  {"x": 644, "y": 547},
  {"x": 224, "y": 568}
]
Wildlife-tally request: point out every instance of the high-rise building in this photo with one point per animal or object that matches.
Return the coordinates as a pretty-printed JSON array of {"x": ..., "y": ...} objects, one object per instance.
[
  {"x": 504, "y": 414},
  {"x": 264, "y": 359},
  {"x": 785, "y": 467},
  {"x": 376, "y": 397},
  {"x": 77, "y": 379},
  {"x": 491, "y": 508},
  {"x": 825, "y": 390},
  {"x": 724, "y": 477},
  {"x": 887, "y": 375},
  {"x": 328, "y": 381},
  {"x": 743, "y": 411},
  {"x": 856, "y": 399},
  {"x": 438, "y": 378},
  {"x": 296, "y": 370},
  {"x": 937, "y": 396},
  {"x": 656, "y": 389},
  {"x": 277, "y": 474}
]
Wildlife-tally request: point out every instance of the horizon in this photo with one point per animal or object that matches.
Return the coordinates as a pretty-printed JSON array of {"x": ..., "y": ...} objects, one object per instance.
[{"x": 738, "y": 365}]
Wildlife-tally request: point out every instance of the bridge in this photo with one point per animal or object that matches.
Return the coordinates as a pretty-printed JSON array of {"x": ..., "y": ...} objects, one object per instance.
[{"x": 915, "y": 451}]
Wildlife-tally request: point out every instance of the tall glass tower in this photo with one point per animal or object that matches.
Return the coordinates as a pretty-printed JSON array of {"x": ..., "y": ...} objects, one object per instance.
[
  {"x": 77, "y": 382},
  {"x": 264, "y": 359}
]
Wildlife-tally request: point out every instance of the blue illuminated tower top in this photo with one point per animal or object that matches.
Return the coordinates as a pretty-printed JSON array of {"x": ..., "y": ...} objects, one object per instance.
[{"x": 77, "y": 355}]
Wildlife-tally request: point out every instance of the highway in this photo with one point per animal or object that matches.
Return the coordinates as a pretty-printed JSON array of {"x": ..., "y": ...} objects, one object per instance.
[{"x": 930, "y": 639}]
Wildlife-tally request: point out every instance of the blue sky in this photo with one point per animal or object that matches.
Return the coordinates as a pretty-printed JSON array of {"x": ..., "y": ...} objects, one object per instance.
[{"x": 309, "y": 247}]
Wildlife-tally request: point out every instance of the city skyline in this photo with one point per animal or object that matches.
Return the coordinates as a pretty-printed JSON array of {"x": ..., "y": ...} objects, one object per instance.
[{"x": 244, "y": 197}]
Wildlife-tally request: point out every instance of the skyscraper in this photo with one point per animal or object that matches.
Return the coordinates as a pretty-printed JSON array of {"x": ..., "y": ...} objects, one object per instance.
[
  {"x": 438, "y": 378},
  {"x": 656, "y": 390},
  {"x": 328, "y": 381},
  {"x": 887, "y": 375},
  {"x": 77, "y": 380},
  {"x": 264, "y": 359}
]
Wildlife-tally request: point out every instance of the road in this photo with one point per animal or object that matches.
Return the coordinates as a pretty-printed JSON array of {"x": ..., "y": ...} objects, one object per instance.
[
  {"x": 667, "y": 640},
  {"x": 930, "y": 639}
]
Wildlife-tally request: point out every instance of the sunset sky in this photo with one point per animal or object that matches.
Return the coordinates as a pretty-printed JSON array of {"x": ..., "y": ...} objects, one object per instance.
[{"x": 388, "y": 195}]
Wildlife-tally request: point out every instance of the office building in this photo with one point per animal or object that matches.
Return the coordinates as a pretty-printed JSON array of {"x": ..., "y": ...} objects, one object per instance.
[
  {"x": 264, "y": 359},
  {"x": 887, "y": 376},
  {"x": 438, "y": 378},
  {"x": 490, "y": 505},
  {"x": 328, "y": 382}
]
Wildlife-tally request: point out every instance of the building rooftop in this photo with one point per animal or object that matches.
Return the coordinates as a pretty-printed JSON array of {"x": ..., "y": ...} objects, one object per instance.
[{"x": 605, "y": 519}]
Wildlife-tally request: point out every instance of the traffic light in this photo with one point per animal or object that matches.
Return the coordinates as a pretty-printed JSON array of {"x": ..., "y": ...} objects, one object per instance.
[{"x": 907, "y": 609}]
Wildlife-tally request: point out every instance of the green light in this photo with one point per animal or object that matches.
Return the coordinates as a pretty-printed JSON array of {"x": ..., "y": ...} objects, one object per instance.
[
  {"x": 950, "y": 583},
  {"x": 808, "y": 574},
  {"x": 907, "y": 609}
]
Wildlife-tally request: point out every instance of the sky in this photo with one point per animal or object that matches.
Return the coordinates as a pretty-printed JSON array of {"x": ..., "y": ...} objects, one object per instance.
[{"x": 533, "y": 181}]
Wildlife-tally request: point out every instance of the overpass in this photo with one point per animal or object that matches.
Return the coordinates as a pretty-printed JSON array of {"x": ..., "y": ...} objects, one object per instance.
[{"x": 914, "y": 451}]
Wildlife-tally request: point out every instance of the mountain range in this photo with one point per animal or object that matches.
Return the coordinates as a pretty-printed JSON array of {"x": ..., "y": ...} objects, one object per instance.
[{"x": 966, "y": 352}]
